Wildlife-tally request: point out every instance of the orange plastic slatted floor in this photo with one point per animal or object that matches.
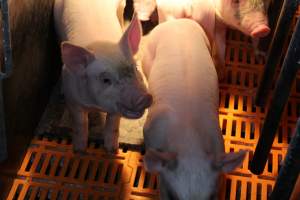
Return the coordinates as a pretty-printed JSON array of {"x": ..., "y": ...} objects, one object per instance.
[{"x": 50, "y": 170}]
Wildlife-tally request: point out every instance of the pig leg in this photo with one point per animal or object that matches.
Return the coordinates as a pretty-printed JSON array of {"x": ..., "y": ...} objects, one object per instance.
[
  {"x": 111, "y": 132},
  {"x": 80, "y": 135}
]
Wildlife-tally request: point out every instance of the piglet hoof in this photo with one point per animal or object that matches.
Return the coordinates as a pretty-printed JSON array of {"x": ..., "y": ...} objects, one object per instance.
[
  {"x": 111, "y": 148},
  {"x": 79, "y": 146},
  {"x": 79, "y": 151},
  {"x": 111, "y": 142}
]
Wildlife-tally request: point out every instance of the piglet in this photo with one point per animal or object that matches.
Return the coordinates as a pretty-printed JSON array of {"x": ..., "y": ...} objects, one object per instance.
[
  {"x": 183, "y": 141},
  {"x": 99, "y": 72},
  {"x": 248, "y": 16}
]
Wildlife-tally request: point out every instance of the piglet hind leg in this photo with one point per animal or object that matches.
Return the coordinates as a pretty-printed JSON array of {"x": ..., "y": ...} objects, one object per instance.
[
  {"x": 80, "y": 134},
  {"x": 111, "y": 132}
]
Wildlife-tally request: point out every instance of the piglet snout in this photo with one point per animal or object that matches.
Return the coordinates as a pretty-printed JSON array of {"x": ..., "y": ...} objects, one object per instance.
[
  {"x": 260, "y": 31},
  {"x": 133, "y": 106},
  {"x": 144, "y": 102}
]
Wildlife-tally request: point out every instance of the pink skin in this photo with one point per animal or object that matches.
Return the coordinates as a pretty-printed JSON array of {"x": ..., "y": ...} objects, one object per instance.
[
  {"x": 134, "y": 100},
  {"x": 244, "y": 16},
  {"x": 259, "y": 28},
  {"x": 251, "y": 18},
  {"x": 260, "y": 31},
  {"x": 214, "y": 16}
]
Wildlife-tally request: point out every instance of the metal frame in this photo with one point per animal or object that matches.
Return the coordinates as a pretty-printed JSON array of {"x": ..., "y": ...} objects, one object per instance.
[
  {"x": 280, "y": 96},
  {"x": 290, "y": 169},
  {"x": 280, "y": 35}
]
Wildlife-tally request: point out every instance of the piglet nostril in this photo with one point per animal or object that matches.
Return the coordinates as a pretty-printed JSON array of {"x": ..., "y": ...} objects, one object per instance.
[{"x": 144, "y": 101}]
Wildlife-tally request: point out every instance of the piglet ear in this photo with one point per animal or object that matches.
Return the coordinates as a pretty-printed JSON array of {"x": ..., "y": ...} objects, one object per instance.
[
  {"x": 230, "y": 161},
  {"x": 74, "y": 57},
  {"x": 156, "y": 161},
  {"x": 130, "y": 40}
]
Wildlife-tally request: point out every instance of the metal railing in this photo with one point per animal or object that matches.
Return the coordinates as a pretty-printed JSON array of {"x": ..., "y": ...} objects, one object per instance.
[
  {"x": 280, "y": 36},
  {"x": 280, "y": 96},
  {"x": 290, "y": 169}
]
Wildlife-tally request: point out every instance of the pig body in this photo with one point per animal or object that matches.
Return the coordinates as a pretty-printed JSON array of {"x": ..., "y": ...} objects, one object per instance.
[
  {"x": 99, "y": 71},
  {"x": 182, "y": 135},
  {"x": 214, "y": 16},
  {"x": 82, "y": 23}
]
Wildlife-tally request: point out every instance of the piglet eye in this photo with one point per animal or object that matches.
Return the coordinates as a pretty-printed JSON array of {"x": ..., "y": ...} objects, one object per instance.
[
  {"x": 106, "y": 81},
  {"x": 105, "y": 78},
  {"x": 236, "y": 1}
]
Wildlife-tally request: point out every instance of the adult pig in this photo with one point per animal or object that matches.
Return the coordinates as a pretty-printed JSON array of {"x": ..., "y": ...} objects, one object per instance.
[
  {"x": 99, "y": 71},
  {"x": 182, "y": 137},
  {"x": 247, "y": 16}
]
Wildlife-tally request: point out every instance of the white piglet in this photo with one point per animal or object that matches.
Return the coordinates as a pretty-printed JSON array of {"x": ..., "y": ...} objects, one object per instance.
[
  {"x": 182, "y": 136},
  {"x": 248, "y": 16},
  {"x": 99, "y": 71}
]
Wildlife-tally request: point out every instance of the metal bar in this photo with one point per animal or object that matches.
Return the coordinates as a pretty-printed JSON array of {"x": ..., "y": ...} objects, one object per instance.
[
  {"x": 281, "y": 93},
  {"x": 290, "y": 169},
  {"x": 284, "y": 23}
]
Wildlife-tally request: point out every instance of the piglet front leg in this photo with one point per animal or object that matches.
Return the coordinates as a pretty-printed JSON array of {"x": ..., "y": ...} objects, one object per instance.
[
  {"x": 111, "y": 132},
  {"x": 80, "y": 134}
]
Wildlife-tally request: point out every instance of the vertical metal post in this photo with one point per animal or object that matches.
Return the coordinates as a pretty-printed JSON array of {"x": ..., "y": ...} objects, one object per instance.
[
  {"x": 6, "y": 73},
  {"x": 284, "y": 23},
  {"x": 290, "y": 170},
  {"x": 281, "y": 93}
]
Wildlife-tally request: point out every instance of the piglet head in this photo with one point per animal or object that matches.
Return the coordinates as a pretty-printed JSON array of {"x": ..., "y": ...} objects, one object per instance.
[
  {"x": 248, "y": 16},
  {"x": 106, "y": 74},
  {"x": 190, "y": 177}
]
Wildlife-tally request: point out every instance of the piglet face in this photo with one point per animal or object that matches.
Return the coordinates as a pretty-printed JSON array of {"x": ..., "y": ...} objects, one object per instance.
[
  {"x": 117, "y": 88},
  {"x": 106, "y": 75},
  {"x": 248, "y": 16}
]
